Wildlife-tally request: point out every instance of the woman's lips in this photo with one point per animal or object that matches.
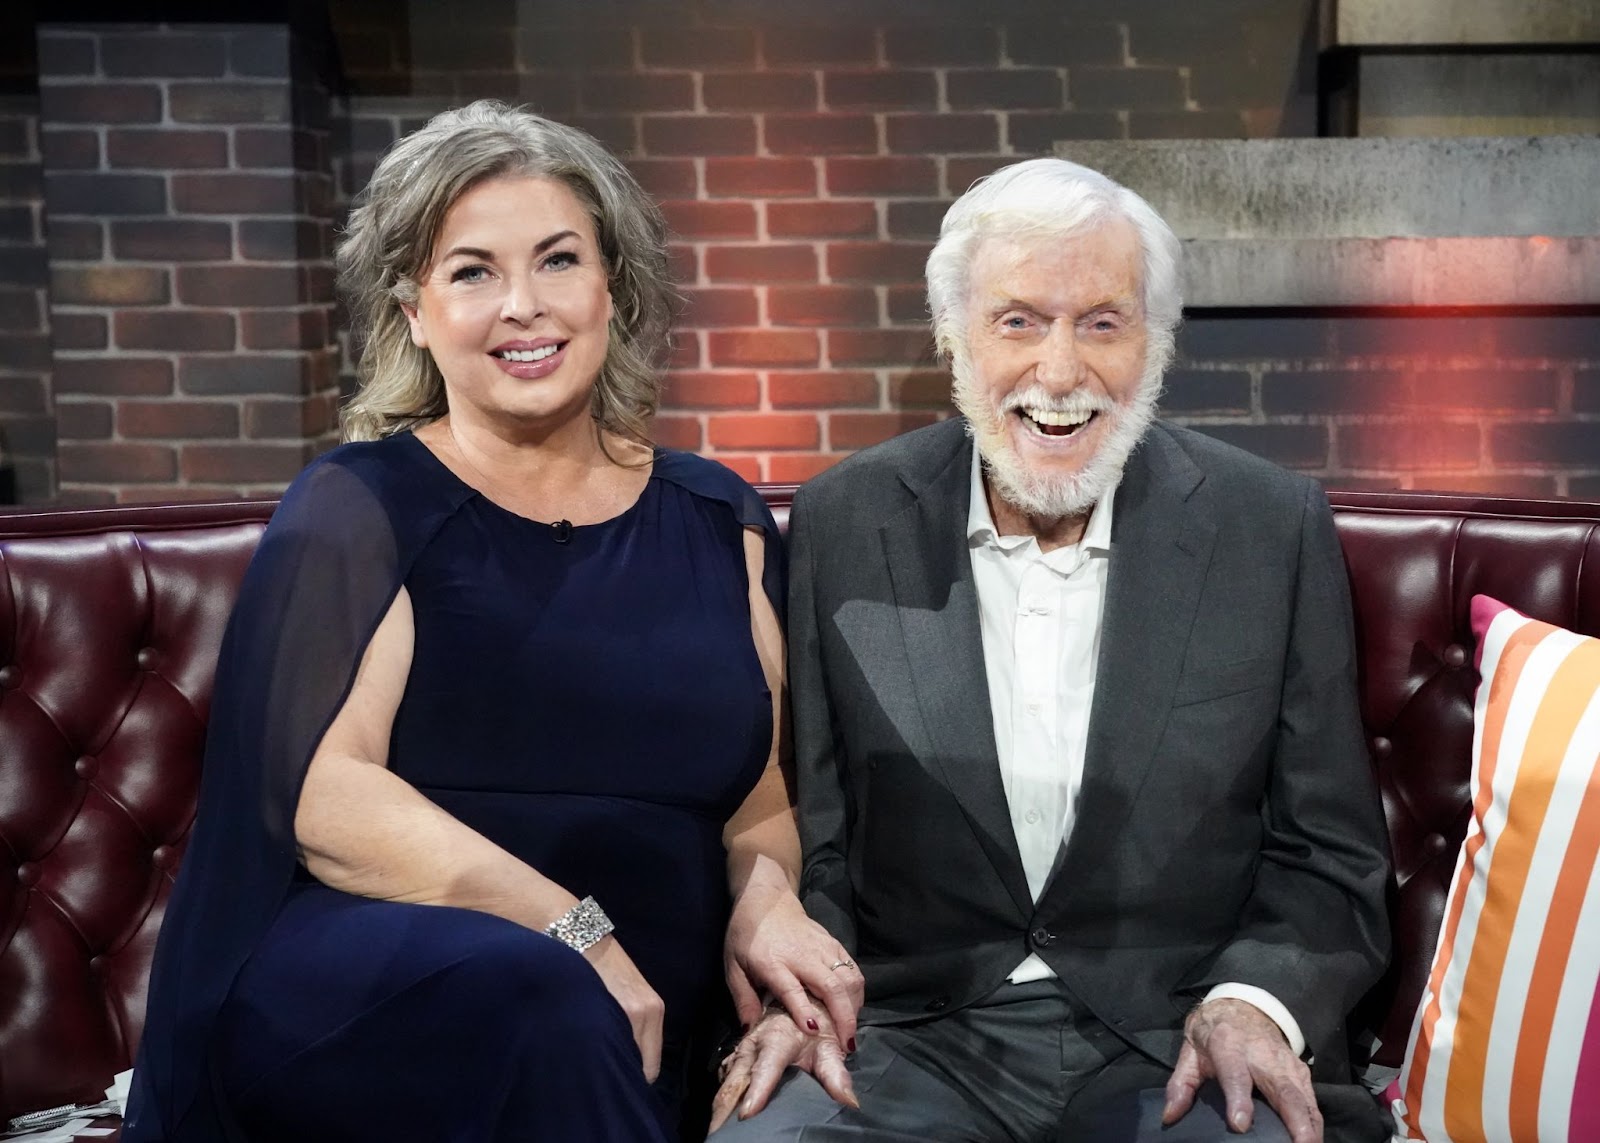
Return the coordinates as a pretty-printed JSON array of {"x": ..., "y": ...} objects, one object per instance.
[{"x": 532, "y": 370}]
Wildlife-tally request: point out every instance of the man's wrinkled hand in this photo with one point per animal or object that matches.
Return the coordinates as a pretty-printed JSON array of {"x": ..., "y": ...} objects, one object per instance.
[
  {"x": 1236, "y": 1044},
  {"x": 751, "y": 1072}
]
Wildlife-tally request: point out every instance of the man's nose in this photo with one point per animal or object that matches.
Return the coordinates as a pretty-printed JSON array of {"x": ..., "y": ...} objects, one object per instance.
[{"x": 1059, "y": 362}]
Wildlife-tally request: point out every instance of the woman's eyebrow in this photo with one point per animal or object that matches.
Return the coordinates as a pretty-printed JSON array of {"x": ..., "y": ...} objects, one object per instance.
[
  {"x": 468, "y": 252},
  {"x": 553, "y": 239},
  {"x": 487, "y": 256}
]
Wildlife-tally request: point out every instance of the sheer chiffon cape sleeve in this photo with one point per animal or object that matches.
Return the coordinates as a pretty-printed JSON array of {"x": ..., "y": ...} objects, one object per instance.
[
  {"x": 328, "y": 566},
  {"x": 713, "y": 481}
]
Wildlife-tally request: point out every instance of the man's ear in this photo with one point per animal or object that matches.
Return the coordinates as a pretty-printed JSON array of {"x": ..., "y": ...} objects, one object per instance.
[{"x": 419, "y": 336}]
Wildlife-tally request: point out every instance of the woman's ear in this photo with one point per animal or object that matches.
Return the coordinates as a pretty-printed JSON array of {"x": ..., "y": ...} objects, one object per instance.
[{"x": 419, "y": 336}]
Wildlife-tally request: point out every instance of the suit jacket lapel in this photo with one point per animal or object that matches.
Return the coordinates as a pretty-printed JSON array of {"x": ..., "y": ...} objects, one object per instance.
[
  {"x": 1163, "y": 532},
  {"x": 936, "y": 600}
]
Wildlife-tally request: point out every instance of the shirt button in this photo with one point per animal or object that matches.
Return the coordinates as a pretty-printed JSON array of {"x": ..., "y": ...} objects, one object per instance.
[
  {"x": 1031, "y": 817},
  {"x": 1033, "y": 708}
]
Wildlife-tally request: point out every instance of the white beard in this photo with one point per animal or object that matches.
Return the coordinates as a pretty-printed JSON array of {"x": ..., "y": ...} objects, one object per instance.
[{"x": 1055, "y": 496}]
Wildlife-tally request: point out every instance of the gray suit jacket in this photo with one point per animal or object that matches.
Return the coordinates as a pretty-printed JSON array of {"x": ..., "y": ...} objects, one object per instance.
[{"x": 1228, "y": 827}]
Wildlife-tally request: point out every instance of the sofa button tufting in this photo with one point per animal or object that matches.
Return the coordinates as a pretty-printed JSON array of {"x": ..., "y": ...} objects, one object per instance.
[
  {"x": 1436, "y": 843},
  {"x": 28, "y": 874},
  {"x": 10, "y": 675},
  {"x": 86, "y": 766},
  {"x": 146, "y": 658},
  {"x": 96, "y": 963},
  {"x": 1455, "y": 655},
  {"x": 1382, "y": 746},
  {"x": 937, "y": 1004},
  {"x": 161, "y": 856}
]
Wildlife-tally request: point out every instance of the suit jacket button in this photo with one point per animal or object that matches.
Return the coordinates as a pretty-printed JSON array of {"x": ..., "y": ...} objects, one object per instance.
[
  {"x": 938, "y": 1004},
  {"x": 1043, "y": 938}
]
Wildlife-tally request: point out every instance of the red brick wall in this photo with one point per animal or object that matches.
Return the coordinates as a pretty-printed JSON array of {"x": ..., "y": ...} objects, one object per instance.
[
  {"x": 804, "y": 168},
  {"x": 1486, "y": 402},
  {"x": 189, "y": 194},
  {"x": 27, "y": 425}
]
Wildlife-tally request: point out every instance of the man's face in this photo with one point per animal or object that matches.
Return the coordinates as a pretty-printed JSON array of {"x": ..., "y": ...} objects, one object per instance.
[{"x": 1053, "y": 379}]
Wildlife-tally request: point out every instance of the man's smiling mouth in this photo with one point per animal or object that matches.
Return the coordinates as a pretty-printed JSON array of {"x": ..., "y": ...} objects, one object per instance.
[{"x": 1051, "y": 424}]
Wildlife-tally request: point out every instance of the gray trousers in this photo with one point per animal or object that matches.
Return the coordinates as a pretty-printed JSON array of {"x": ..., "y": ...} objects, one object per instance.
[{"x": 1024, "y": 1065}]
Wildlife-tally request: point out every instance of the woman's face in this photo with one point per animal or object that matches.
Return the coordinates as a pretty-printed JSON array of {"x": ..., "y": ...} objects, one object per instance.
[{"x": 513, "y": 305}]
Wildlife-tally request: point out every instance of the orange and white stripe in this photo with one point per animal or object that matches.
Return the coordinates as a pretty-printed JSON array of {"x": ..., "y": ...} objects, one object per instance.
[{"x": 1505, "y": 1047}]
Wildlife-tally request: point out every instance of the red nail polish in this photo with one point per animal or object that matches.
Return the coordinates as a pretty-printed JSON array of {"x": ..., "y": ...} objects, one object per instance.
[
  {"x": 851, "y": 1044},
  {"x": 811, "y": 1024}
]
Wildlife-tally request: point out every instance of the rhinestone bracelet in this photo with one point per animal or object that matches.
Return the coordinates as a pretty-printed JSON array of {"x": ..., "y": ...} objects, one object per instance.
[{"x": 581, "y": 926}]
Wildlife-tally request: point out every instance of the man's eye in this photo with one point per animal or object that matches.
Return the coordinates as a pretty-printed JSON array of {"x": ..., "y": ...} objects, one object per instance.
[
  {"x": 470, "y": 274},
  {"x": 1015, "y": 321}
]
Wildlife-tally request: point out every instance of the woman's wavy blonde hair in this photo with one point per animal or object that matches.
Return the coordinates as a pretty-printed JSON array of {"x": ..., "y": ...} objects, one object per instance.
[{"x": 389, "y": 241}]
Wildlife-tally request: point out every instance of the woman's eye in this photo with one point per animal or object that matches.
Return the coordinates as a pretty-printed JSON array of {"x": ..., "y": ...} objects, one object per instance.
[
  {"x": 470, "y": 274},
  {"x": 561, "y": 259}
]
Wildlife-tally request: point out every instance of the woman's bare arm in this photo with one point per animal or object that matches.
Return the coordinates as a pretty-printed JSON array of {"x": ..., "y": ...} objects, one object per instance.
[
  {"x": 772, "y": 944},
  {"x": 365, "y": 830}
]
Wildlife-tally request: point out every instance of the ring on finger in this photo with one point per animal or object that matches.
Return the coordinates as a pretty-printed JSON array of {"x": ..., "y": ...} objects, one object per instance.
[{"x": 838, "y": 964}]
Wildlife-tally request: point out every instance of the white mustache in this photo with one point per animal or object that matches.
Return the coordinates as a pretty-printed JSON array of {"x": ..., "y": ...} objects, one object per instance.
[{"x": 1073, "y": 404}]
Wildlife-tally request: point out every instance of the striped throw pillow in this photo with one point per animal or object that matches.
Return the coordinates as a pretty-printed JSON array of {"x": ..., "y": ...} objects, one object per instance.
[{"x": 1506, "y": 1045}]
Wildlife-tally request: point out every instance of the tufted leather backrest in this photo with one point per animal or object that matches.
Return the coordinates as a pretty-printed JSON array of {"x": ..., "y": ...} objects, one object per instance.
[
  {"x": 110, "y": 623},
  {"x": 1415, "y": 563}
]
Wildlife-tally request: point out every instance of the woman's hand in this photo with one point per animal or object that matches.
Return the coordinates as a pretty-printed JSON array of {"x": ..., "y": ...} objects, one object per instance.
[
  {"x": 773, "y": 945},
  {"x": 644, "y": 1009}
]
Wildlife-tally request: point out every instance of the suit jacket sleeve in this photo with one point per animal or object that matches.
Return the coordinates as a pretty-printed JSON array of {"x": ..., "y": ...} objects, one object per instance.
[
  {"x": 1314, "y": 931},
  {"x": 823, "y": 804}
]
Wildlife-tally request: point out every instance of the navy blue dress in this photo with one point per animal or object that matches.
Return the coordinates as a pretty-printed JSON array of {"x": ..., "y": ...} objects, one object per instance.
[{"x": 596, "y": 707}]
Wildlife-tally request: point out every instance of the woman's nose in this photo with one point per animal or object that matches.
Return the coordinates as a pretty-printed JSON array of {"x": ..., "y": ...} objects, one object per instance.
[{"x": 522, "y": 302}]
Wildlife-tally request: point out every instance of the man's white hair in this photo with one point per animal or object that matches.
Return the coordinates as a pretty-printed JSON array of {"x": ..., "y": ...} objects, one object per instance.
[{"x": 1050, "y": 198}]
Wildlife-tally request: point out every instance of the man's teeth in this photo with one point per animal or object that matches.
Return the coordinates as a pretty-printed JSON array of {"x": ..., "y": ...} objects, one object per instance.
[
  {"x": 1059, "y": 420},
  {"x": 527, "y": 354}
]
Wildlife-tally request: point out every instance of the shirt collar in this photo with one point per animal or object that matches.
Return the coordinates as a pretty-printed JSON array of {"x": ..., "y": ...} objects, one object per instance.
[{"x": 981, "y": 527}]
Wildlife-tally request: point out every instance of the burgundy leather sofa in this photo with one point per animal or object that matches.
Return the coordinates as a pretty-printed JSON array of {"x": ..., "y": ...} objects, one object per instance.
[{"x": 110, "y": 620}]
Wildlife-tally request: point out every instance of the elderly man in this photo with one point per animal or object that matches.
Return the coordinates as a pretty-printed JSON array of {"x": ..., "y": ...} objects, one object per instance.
[{"x": 1082, "y": 781}]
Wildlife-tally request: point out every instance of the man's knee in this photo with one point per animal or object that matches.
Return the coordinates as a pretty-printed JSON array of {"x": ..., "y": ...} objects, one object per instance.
[{"x": 1135, "y": 1117}]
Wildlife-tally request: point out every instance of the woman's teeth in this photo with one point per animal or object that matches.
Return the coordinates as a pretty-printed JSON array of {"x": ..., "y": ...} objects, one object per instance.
[{"x": 526, "y": 354}]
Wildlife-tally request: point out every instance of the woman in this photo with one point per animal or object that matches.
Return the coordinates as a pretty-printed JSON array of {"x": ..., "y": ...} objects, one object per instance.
[{"x": 500, "y": 677}]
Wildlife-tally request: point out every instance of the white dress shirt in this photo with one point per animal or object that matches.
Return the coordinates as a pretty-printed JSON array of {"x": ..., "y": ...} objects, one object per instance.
[{"x": 1040, "y": 614}]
